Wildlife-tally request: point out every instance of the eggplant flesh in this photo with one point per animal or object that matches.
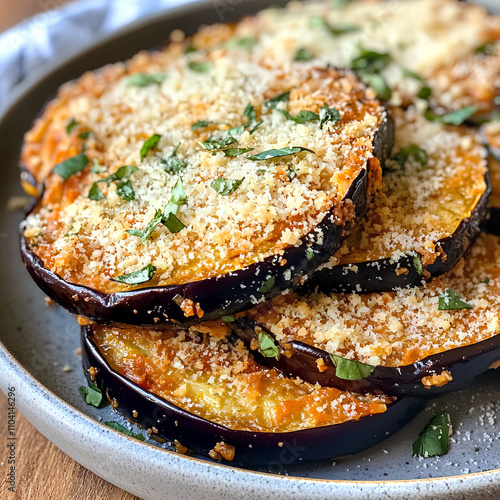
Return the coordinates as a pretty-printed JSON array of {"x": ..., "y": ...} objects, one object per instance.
[
  {"x": 251, "y": 448},
  {"x": 388, "y": 251}
]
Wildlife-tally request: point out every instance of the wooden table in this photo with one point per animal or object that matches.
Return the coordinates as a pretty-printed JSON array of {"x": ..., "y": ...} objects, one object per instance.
[{"x": 43, "y": 471}]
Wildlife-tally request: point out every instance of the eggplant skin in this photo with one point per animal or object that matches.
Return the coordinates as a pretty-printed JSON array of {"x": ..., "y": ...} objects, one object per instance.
[
  {"x": 218, "y": 296},
  {"x": 463, "y": 363},
  {"x": 274, "y": 451},
  {"x": 493, "y": 223},
  {"x": 380, "y": 275}
]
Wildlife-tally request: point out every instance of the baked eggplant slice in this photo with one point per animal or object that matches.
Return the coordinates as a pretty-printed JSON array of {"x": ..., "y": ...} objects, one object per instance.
[
  {"x": 392, "y": 45},
  {"x": 420, "y": 341},
  {"x": 490, "y": 134},
  {"x": 211, "y": 396},
  {"x": 198, "y": 205},
  {"x": 433, "y": 201}
]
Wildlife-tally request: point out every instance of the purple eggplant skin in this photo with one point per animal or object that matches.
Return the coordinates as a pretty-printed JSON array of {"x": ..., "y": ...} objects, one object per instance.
[
  {"x": 267, "y": 449},
  {"x": 493, "y": 223},
  {"x": 464, "y": 364},
  {"x": 380, "y": 275},
  {"x": 218, "y": 296}
]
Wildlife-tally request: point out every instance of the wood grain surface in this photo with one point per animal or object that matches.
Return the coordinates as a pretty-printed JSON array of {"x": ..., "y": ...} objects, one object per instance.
[{"x": 43, "y": 472}]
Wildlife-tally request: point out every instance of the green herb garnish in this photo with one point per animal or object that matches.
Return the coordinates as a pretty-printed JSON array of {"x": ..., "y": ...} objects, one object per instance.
[
  {"x": 424, "y": 93},
  {"x": 92, "y": 394},
  {"x": 144, "y": 80},
  {"x": 347, "y": 369},
  {"x": 150, "y": 144},
  {"x": 117, "y": 427},
  {"x": 434, "y": 440},
  {"x": 334, "y": 30},
  {"x": 278, "y": 153},
  {"x": 411, "y": 74},
  {"x": 202, "y": 124},
  {"x": 123, "y": 187},
  {"x": 303, "y": 116},
  {"x": 137, "y": 277},
  {"x": 272, "y": 103},
  {"x": 303, "y": 54},
  {"x": 96, "y": 168},
  {"x": 267, "y": 286},
  {"x": 242, "y": 43},
  {"x": 417, "y": 264},
  {"x": 172, "y": 223},
  {"x": 453, "y": 118},
  {"x": 309, "y": 253},
  {"x": 173, "y": 164},
  {"x": 225, "y": 187},
  {"x": 199, "y": 67},
  {"x": 256, "y": 126},
  {"x": 487, "y": 49},
  {"x": 217, "y": 143},
  {"x": 377, "y": 83},
  {"x": 85, "y": 135},
  {"x": 71, "y": 166},
  {"x": 236, "y": 151},
  {"x": 328, "y": 115},
  {"x": 71, "y": 125},
  {"x": 451, "y": 301},
  {"x": 267, "y": 347},
  {"x": 228, "y": 319},
  {"x": 412, "y": 153},
  {"x": 370, "y": 61}
]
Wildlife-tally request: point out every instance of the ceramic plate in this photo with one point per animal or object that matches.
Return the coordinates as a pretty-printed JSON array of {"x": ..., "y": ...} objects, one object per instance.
[{"x": 38, "y": 358}]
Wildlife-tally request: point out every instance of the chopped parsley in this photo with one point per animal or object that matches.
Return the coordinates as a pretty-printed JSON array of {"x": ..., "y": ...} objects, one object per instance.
[
  {"x": 454, "y": 118},
  {"x": 411, "y": 74},
  {"x": 199, "y": 67},
  {"x": 434, "y": 440},
  {"x": 85, "y": 135},
  {"x": 334, "y": 30},
  {"x": 118, "y": 427},
  {"x": 71, "y": 125},
  {"x": 228, "y": 319},
  {"x": 303, "y": 54},
  {"x": 303, "y": 116},
  {"x": 236, "y": 151},
  {"x": 167, "y": 216},
  {"x": 347, "y": 369},
  {"x": 91, "y": 394},
  {"x": 137, "y": 277},
  {"x": 172, "y": 223},
  {"x": 173, "y": 164},
  {"x": 451, "y": 301},
  {"x": 487, "y": 49},
  {"x": 417, "y": 264},
  {"x": 144, "y": 80},
  {"x": 217, "y": 143},
  {"x": 123, "y": 187},
  {"x": 328, "y": 115},
  {"x": 267, "y": 347},
  {"x": 150, "y": 144},
  {"x": 242, "y": 43},
  {"x": 202, "y": 124},
  {"x": 309, "y": 254},
  {"x": 267, "y": 286},
  {"x": 377, "y": 83},
  {"x": 278, "y": 153},
  {"x": 424, "y": 93},
  {"x": 225, "y": 187},
  {"x": 272, "y": 103},
  {"x": 370, "y": 61},
  {"x": 411, "y": 153},
  {"x": 71, "y": 166}
]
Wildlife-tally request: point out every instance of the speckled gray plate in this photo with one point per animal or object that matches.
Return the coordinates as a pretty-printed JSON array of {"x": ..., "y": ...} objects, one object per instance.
[{"x": 38, "y": 347}]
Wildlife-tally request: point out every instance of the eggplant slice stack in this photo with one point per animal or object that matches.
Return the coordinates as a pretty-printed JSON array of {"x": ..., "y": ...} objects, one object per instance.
[{"x": 279, "y": 245}]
